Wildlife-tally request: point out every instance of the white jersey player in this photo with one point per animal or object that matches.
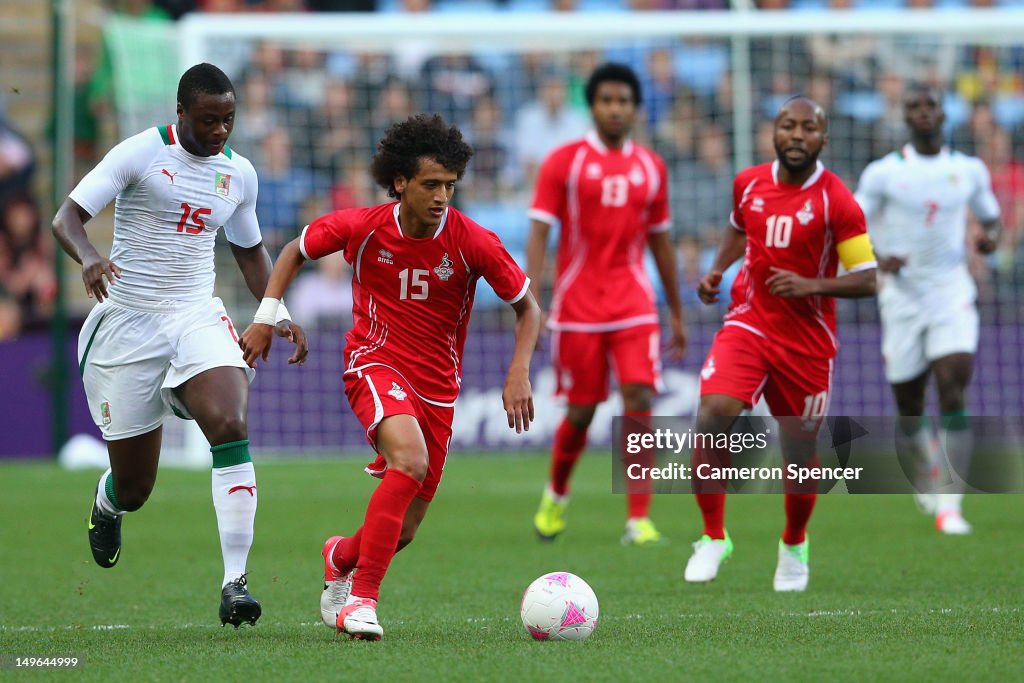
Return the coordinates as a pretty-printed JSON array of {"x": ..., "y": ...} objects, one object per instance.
[
  {"x": 916, "y": 201},
  {"x": 158, "y": 341}
]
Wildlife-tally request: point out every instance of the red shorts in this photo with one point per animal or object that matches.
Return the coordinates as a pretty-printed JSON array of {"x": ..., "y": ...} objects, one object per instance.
[
  {"x": 584, "y": 360},
  {"x": 378, "y": 392},
  {"x": 745, "y": 365}
]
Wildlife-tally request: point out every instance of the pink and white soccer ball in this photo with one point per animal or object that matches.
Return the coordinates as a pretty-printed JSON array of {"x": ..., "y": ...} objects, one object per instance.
[{"x": 559, "y": 606}]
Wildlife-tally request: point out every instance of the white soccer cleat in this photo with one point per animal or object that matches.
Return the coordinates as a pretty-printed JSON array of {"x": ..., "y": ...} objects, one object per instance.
[
  {"x": 336, "y": 586},
  {"x": 359, "y": 619},
  {"x": 952, "y": 522},
  {"x": 793, "y": 570},
  {"x": 708, "y": 556},
  {"x": 926, "y": 503}
]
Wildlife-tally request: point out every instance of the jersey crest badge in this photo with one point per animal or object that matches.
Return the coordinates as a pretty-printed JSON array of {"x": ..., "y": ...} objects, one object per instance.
[
  {"x": 806, "y": 214},
  {"x": 636, "y": 176},
  {"x": 593, "y": 170},
  {"x": 385, "y": 256},
  {"x": 222, "y": 184},
  {"x": 445, "y": 270},
  {"x": 708, "y": 369},
  {"x": 397, "y": 392}
]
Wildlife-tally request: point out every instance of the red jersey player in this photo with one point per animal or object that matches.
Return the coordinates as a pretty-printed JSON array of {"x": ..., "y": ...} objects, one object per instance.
[
  {"x": 610, "y": 196},
  {"x": 415, "y": 266},
  {"x": 795, "y": 221}
]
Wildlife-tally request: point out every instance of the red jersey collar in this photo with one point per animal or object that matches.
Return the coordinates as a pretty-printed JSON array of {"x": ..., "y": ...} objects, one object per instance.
[
  {"x": 819, "y": 169},
  {"x": 440, "y": 227},
  {"x": 594, "y": 140}
]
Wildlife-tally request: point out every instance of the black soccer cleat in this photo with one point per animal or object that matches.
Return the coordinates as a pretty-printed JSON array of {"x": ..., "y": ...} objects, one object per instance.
[
  {"x": 104, "y": 536},
  {"x": 237, "y": 606}
]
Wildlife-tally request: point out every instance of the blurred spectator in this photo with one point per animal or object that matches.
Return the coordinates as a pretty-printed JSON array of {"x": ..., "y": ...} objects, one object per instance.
[
  {"x": 323, "y": 297},
  {"x": 394, "y": 104},
  {"x": 353, "y": 187},
  {"x": 176, "y": 8},
  {"x": 491, "y": 174},
  {"x": 453, "y": 83},
  {"x": 334, "y": 135},
  {"x": 889, "y": 131},
  {"x": 17, "y": 162},
  {"x": 1007, "y": 183},
  {"x": 848, "y": 151},
  {"x": 545, "y": 123},
  {"x": 304, "y": 78},
  {"x": 659, "y": 85},
  {"x": 86, "y": 124},
  {"x": 702, "y": 189},
  {"x": 10, "y": 316},
  {"x": 849, "y": 59},
  {"x": 973, "y": 136},
  {"x": 342, "y": 5},
  {"x": 675, "y": 138},
  {"x": 26, "y": 260},
  {"x": 257, "y": 115},
  {"x": 283, "y": 189}
]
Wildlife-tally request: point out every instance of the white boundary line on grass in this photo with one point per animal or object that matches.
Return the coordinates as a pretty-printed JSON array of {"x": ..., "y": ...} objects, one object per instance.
[{"x": 478, "y": 620}]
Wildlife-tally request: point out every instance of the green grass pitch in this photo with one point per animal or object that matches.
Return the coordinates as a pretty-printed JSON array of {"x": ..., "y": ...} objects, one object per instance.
[{"x": 890, "y": 599}]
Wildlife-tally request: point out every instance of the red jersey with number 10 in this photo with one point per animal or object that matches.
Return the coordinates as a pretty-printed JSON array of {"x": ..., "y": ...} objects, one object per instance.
[
  {"x": 795, "y": 228},
  {"x": 608, "y": 201},
  {"x": 411, "y": 297}
]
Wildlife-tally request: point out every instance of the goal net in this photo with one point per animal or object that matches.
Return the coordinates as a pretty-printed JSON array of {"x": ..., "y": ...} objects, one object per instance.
[{"x": 316, "y": 91}]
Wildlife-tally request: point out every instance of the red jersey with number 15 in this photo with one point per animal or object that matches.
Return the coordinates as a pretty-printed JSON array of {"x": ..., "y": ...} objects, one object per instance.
[
  {"x": 608, "y": 201},
  {"x": 795, "y": 228},
  {"x": 412, "y": 297}
]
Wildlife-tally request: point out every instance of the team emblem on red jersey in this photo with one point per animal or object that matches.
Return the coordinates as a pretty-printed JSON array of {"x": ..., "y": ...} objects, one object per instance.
[
  {"x": 397, "y": 392},
  {"x": 709, "y": 368},
  {"x": 445, "y": 270},
  {"x": 806, "y": 214}
]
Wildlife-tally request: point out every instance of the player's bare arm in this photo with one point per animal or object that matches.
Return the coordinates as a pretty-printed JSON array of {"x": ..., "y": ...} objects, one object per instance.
[
  {"x": 257, "y": 338},
  {"x": 732, "y": 246},
  {"x": 789, "y": 285},
  {"x": 891, "y": 264},
  {"x": 98, "y": 272},
  {"x": 536, "y": 255},
  {"x": 256, "y": 266},
  {"x": 517, "y": 396},
  {"x": 988, "y": 241},
  {"x": 664, "y": 253}
]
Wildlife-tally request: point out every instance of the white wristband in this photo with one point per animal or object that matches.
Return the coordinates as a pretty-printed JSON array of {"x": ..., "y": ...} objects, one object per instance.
[
  {"x": 267, "y": 313},
  {"x": 282, "y": 313}
]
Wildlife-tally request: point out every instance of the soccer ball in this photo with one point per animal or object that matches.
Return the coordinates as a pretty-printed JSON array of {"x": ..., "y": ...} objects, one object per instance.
[{"x": 559, "y": 606}]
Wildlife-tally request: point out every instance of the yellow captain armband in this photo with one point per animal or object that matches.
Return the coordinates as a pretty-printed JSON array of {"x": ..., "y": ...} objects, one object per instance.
[{"x": 856, "y": 253}]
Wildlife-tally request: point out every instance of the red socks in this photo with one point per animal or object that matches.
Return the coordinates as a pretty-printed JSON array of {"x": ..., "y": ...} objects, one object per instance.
[
  {"x": 346, "y": 553},
  {"x": 569, "y": 443},
  {"x": 381, "y": 530},
  {"x": 638, "y": 491},
  {"x": 798, "y": 512}
]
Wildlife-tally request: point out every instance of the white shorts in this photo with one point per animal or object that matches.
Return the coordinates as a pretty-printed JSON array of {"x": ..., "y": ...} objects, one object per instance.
[
  {"x": 131, "y": 360},
  {"x": 913, "y": 338}
]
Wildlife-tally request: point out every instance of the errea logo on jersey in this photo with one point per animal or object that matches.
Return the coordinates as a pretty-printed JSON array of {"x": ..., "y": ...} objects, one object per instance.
[
  {"x": 757, "y": 204},
  {"x": 385, "y": 256}
]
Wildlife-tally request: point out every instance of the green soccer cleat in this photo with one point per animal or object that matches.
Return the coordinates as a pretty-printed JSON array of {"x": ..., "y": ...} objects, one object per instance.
[
  {"x": 641, "y": 531},
  {"x": 550, "y": 518},
  {"x": 708, "y": 555}
]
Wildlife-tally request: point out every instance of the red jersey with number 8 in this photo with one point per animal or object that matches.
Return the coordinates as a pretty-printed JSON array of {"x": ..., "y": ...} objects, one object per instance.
[
  {"x": 794, "y": 228},
  {"x": 608, "y": 201},
  {"x": 412, "y": 297}
]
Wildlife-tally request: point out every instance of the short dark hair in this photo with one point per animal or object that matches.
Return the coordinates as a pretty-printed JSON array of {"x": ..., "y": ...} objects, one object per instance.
[
  {"x": 202, "y": 79},
  {"x": 613, "y": 71},
  {"x": 405, "y": 143}
]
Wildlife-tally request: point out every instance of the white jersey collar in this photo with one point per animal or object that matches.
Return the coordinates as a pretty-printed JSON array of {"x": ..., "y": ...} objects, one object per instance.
[
  {"x": 819, "y": 169},
  {"x": 398, "y": 225},
  {"x": 594, "y": 140},
  {"x": 910, "y": 154}
]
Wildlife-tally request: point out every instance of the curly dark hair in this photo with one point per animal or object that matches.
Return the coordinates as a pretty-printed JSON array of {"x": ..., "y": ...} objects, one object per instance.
[
  {"x": 202, "y": 79},
  {"x": 615, "y": 72},
  {"x": 405, "y": 143}
]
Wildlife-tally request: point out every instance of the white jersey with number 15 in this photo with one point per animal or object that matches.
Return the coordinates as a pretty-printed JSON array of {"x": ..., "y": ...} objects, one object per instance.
[{"x": 170, "y": 204}]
